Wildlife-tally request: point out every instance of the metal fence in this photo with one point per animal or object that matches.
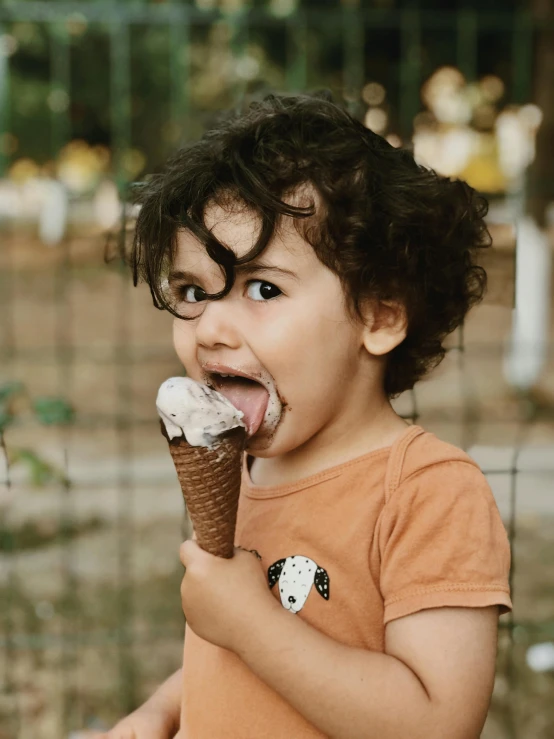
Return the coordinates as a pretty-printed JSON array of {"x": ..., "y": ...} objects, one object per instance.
[
  {"x": 89, "y": 631},
  {"x": 445, "y": 37}
]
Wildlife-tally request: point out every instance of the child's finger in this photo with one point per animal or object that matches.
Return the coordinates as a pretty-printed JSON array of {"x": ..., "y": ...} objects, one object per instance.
[
  {"x": 123, "y": 732},
  {"x": 187, "y": 551}
]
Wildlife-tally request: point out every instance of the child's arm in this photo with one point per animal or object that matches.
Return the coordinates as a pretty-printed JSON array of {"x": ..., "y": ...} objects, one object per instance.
[
  {"x": 435, "y": 679},
  {"x": 157, "y": 718},
  {"x": 167, "y": 699}
]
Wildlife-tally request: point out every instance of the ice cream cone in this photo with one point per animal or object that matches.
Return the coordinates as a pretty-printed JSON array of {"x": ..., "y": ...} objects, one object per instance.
[{"x": 210, "y": 480}]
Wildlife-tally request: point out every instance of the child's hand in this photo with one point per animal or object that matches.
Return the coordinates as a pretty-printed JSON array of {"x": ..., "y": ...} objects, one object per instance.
[
  {"x": 222, "y": 597},
  {"x": 141, "y": 724}
]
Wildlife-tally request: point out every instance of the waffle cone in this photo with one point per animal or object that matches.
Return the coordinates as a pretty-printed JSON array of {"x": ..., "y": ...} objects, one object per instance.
[{"x": 210, "y": 480}]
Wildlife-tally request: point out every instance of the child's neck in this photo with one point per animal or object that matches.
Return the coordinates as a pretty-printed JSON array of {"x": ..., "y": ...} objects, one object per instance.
[{"x": 313, "y": 458}]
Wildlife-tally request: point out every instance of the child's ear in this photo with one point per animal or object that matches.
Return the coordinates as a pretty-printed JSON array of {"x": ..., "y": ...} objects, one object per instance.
[{"x": 386, "y": 325}]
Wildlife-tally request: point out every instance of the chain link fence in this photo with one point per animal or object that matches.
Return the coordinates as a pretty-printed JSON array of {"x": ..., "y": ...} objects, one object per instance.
[{"x": 91, "y": 516}]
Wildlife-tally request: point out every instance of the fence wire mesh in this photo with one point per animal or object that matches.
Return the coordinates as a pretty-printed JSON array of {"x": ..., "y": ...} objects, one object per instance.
[{"x": 90, "y": 510}]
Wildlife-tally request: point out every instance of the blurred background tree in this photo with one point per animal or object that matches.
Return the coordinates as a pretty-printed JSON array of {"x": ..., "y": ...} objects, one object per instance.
[{"x": 216, "y": 68}]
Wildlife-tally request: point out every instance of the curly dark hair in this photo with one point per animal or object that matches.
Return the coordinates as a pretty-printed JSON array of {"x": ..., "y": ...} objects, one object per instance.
[{"x": 389, "y": 228}]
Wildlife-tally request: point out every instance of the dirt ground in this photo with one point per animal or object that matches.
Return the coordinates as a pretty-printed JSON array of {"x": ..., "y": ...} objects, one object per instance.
[{"x": 90, "y": 572}]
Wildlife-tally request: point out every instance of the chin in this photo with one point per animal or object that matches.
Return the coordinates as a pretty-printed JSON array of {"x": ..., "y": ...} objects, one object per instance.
[
  {"x": 266, "y": 441},
  {"x": 260, "y": 446}
]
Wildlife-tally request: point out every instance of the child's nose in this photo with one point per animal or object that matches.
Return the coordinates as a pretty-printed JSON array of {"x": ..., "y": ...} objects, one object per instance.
[{"x": 217, "y": 325}]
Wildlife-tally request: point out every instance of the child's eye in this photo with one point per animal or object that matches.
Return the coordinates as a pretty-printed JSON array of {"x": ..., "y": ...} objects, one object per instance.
[
  {"x": 264, "y": 289},
  {"x": 191, "y": 294},
  {"x": 258, "y": 290}
]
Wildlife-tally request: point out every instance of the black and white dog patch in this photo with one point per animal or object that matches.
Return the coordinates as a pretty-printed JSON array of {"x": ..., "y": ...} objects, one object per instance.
[{"x": 295, "y": 576}]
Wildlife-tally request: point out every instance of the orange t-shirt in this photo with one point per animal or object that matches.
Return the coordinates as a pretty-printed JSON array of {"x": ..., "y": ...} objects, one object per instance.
[{"x": 395, "y": 531}]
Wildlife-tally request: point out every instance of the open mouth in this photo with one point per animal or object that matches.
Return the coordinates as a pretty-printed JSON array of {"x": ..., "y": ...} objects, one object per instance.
[
  {"x": 247, "y": 395},
  {"x": 220, "y": 380}
]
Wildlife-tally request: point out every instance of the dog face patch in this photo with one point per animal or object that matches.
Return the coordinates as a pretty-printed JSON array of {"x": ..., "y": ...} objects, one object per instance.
[{"x": 295, "y": 576}]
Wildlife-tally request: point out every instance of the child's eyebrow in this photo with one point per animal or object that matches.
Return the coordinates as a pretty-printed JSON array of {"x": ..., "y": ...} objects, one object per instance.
[{"x": 249, "y": 268}]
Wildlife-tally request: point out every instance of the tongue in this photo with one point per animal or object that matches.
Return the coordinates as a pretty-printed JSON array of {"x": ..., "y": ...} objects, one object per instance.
[{"x": 250, "y": 398}]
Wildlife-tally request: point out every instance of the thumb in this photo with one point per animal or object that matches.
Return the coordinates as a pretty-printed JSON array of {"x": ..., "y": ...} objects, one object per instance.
[{"x": 188, "y": 550}]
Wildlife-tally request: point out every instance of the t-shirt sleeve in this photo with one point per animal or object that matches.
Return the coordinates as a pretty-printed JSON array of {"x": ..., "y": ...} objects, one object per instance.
[{"x": 443, "y": 543}]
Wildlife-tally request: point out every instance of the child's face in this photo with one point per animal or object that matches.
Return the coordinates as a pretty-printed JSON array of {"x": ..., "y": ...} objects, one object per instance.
[{"x": 301, "y": 343}]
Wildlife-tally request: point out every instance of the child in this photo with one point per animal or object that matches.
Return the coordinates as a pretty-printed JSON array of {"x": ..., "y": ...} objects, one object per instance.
[{"x": 301, "y": 250}]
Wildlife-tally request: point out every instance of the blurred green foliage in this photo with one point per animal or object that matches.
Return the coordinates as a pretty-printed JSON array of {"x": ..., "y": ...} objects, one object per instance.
[
  {"x": 178, "y": 75},
  {"x": 48, "y": 411}
]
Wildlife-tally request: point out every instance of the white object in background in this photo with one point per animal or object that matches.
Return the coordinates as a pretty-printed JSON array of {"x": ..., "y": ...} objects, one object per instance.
[
  {"x": 540, "y": 657},
  {"x": 107, "y": 206},
  {"x": 52, "y": 220},
  {"x": 516, "y": 143},
  {"x": 448, "y": 152},
  {"x": 528, "y": 345},
  {"x": 10, "y": 200}
]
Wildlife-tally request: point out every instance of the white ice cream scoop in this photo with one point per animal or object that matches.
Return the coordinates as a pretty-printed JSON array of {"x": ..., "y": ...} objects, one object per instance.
[{"x": 195, "y": 411}]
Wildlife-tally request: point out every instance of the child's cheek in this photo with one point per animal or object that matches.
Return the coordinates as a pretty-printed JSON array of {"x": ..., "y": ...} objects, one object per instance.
[{"x": 183, "y": 342}]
